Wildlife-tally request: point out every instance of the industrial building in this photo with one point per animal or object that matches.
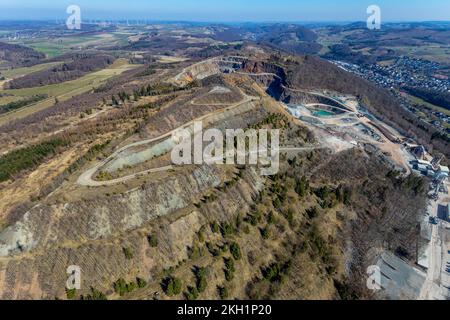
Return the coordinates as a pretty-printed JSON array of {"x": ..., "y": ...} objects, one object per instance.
[{"x": 428, "y": 169}]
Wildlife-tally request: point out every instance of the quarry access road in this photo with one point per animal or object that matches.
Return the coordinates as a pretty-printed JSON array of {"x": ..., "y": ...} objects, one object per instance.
[
  {"x": 437, "y": 279},
  {"x": 395, "y": 150},
  {"x": 428, "y": 288},
  {"x": 86, "y": 179}
]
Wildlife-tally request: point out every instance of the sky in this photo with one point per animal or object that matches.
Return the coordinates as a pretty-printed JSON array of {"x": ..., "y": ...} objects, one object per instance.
[{"x": 228, "y": 10}]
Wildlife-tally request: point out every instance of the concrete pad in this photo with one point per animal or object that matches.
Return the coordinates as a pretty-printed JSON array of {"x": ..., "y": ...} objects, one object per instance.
[
  {"x": 424, "y": 256},
  {"x": 399, "y": 280}
]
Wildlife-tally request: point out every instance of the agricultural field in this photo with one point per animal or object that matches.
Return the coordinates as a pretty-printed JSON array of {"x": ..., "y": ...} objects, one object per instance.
[
  {"x": 20, "y": 72},
  {"x": 436, "y": 53},
  {"x": 5, "y": 99},
  {"x": 58, "y": 46},
  {"x": 433, "y": 107},
  {"x": 62, "y": 91}
]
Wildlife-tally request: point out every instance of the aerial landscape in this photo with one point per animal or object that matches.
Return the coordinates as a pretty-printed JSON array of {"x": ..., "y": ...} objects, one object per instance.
[{"x": 146, "y": 158}]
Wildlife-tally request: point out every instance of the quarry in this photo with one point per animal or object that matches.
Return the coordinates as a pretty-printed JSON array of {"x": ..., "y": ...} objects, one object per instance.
[{"x": 126, "y": 211}]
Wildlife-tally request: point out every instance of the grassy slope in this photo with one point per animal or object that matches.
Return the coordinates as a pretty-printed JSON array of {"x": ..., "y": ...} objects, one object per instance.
[
  {"x": 20, "y": 72},
  {"x": 64, "y": 91}
]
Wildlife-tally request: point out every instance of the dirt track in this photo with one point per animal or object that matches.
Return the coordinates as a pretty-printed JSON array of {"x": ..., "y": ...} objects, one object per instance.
[{"x": 86, "y": 179}]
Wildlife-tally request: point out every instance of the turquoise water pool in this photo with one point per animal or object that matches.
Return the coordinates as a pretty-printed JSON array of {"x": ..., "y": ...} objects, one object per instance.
[{"x": 323, "y": 113}]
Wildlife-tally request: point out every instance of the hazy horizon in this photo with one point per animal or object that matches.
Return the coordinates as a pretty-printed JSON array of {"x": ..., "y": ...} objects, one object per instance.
[
  {"x": 228, "y": 11},
  {"x": 143, "y": 20}
]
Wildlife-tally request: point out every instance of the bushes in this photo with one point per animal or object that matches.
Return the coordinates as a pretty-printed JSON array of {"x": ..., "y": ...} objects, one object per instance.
[
  {"x": 172, "y": 286},
  {"x": 238, "y": 221},
  {"x": 274, "y": 276},
  {"x": 160, "y": 89},
  {"x": 254, "y": 218},
  {"x": 235, "y": 251},
  {"x": 201, "y": 234},
  {"x": 322, "y": 249},
  {"x": 415, "y": 184},
  {"x": 324, "y": 193},
  {"x": 330, "y": 197},
  {"x": 344, "y": 195},
  {"x": 121, "y": 287},
  {"x": 27, "y": 158},
  {"x": 215, "y": 251},
  {"x": 312, "y": 212},
  {"x": 200, "y": 274},
  {"x": 123, "y": 96},
  {"x": 215, "y": 227},
  {"x": 271, "y": 218},
  {"x": 94, "y": 295},
  {"x": 229, "y": 269},
  {"x": 272, "y": 272},
  {"x": 223, "y": 292},
  {"x": 275, "y": 272},
  {"x": 89, "y": 155},
  {"x": 345, "y": 290},
  {"x": 276, "y": 202},
  {"x": 290, "y": 217},
  {"x": 128, "y": 253},
  {"x": 195, "y": 251},
  {"x": 104, "y": 176},
  {"x": 347, "y": 196},
  {"x": 265, "y": 233},
  {"x": 21, "y": 103},
  {"x": 227, "y": 229},
  {"x": 114, "y": 100},
  {"x": 152, "y": 240},
  {"x": 141, "y": 283},
  {"x": 70, "y": 293},
  {"x": 192, "y": 293},
  {"x": 302, "y": 187}
]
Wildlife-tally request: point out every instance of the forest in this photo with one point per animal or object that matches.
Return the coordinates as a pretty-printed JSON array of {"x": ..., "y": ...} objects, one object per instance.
[{"x": 80, "y": 65}]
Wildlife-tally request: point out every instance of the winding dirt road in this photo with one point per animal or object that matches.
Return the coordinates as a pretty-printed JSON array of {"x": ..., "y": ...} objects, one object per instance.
[{"x": 86, "y": 179}]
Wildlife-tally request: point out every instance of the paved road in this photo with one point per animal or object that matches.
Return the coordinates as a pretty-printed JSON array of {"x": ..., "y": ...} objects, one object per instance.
[
  {"x": 433, "y": 286},
  {"x": 428, "y": 287}
]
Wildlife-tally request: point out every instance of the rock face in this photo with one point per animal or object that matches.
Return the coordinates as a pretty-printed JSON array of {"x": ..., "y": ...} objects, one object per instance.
[
  {"x": 17, "y": 238},
  {"x": 208, "y": 68},
  {"x": 91, "y": 234},
  {"x": 252, "y": 66},
  {"x": 46, "y": 226}
]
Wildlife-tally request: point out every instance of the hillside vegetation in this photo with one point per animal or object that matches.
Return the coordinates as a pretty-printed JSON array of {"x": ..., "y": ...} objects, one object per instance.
[
  {"x": 18, "y": 55},
  {"x": 81, "y": 65}
]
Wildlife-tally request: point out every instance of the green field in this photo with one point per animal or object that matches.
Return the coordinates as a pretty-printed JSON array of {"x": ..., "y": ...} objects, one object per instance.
[
  {"x": 88, "y": 81},
  {"x": 63, "y": 91},
  {"x": 429, "y": 105},
  {"x": 8, "y": 99},
  {"x": 435, "y": 53},
  {"x": 20, "y": 72},
  {"x": 59, "y": 46}
]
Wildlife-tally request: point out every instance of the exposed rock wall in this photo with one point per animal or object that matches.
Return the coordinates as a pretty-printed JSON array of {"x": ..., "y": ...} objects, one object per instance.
[{"x": 92, "y": 234}]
